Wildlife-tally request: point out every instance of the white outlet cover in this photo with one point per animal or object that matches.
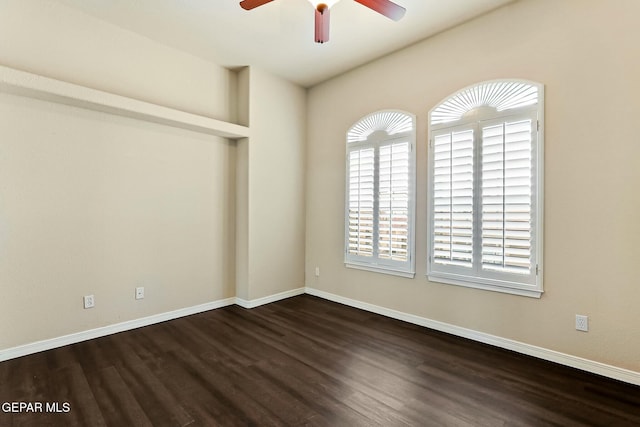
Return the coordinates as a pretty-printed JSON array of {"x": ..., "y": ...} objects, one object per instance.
[
  {"x": 582, "y": 323},
  {"x": 89, "y": 301},
  {"x": 140, "y": 292}
]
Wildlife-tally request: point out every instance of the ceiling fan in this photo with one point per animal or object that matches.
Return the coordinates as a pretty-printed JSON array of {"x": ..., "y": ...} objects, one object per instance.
[{"x": 384, "y": 7}]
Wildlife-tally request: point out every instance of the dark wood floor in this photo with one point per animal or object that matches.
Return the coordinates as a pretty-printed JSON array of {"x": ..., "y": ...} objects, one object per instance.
[{"x": 303, "y": 361}]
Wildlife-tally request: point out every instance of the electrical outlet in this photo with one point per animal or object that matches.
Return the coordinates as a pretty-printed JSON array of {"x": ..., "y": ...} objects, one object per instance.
[
  {"x": 317, "y": 271},
  {"x": 89, "y": 301},
  {"x": 582, "y": 323},
  {"x": 140, "y": 292}
]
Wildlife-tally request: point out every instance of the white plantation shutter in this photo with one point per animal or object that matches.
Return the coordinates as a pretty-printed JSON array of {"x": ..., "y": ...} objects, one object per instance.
[
  {"x": 393, "y": 201},
  {"x": 361, "y": 202},
  {"x": 380, "y": 194},
  {"x": 506, "y": 196},
  {"x": 485, "y": 167},
  {"x": 500, "y": 95},
  {"x": 453, "y": 198}
]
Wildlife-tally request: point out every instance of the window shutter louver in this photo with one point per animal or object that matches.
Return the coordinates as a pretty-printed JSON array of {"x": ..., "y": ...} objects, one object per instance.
[
  {"x": 453, "y": 198},
  {"x": 506, "y": 196},
  {"x": 361, "y": 201},
  {"x": 393, "y": 202}
]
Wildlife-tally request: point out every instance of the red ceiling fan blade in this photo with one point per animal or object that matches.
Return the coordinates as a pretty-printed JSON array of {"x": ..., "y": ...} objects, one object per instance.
[
  {"x": 322, "y": 24},
  {"x": 251, "y": 4},
  {"x": 385, "y": 7}
]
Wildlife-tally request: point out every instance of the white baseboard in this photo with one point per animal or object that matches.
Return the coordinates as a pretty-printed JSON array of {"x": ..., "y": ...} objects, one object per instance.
[
  {"x": 36, "y": 347},
  {"x": 269, "y": 299},
  {"x": 610, "y": 371}
]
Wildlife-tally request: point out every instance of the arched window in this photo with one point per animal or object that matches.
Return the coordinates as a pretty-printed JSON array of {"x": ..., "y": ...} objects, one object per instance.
[
  {"x": 485, "y": 190},
  {"x": 380, "y": 193}
]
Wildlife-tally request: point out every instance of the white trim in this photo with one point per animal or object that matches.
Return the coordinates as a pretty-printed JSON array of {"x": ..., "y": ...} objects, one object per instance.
[
  {"x": 49, "y": 344},
  {"x": 44, "y": 88},
  {"x": 36, "y": 347},
  {"x": 269, "y": 299},
  {"x": 477, "y": 283},
  {"x": 380, "y": 269},
  {"x": 603, "y": 369},
  {"x": 610, "y": 371}
]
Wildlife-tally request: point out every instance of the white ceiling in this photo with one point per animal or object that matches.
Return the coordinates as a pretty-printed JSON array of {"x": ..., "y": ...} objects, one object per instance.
[{"x": 278, "y": 36}]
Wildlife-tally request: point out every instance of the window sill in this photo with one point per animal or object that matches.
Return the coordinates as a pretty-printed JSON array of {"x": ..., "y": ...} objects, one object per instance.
[
  {"x": 383, "y": 270},
  {"x": 531, "y": 293}
]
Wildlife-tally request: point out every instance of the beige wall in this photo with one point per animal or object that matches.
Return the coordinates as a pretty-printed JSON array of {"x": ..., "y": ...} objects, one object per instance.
[
  {"x": 47, "y": 38},
  {"x": 93, "y": 203},
  {"x": 97, "y": 204},
  {"x": 586, "y": 53},
  {"x": 270, "y": 256}
]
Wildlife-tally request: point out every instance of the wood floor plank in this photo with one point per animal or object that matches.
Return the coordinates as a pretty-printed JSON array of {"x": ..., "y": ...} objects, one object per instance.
[
  {"x": 324, "y": 395},
  {"x": 223, "y": 391},
  {"x": 305, "y": 361},
  {"x": 158, "y": 403},
  {"x": 116, "y": 401},
  {"x": 69, "y": 384}
]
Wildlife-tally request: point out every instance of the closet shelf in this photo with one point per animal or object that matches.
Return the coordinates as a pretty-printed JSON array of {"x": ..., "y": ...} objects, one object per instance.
[{"x": 44, "y": 88}]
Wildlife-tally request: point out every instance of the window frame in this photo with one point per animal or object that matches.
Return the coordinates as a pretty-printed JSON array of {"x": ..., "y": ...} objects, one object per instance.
[
  {"x": 376, "y": 133},
  {"x": 478, "y": 117}
]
